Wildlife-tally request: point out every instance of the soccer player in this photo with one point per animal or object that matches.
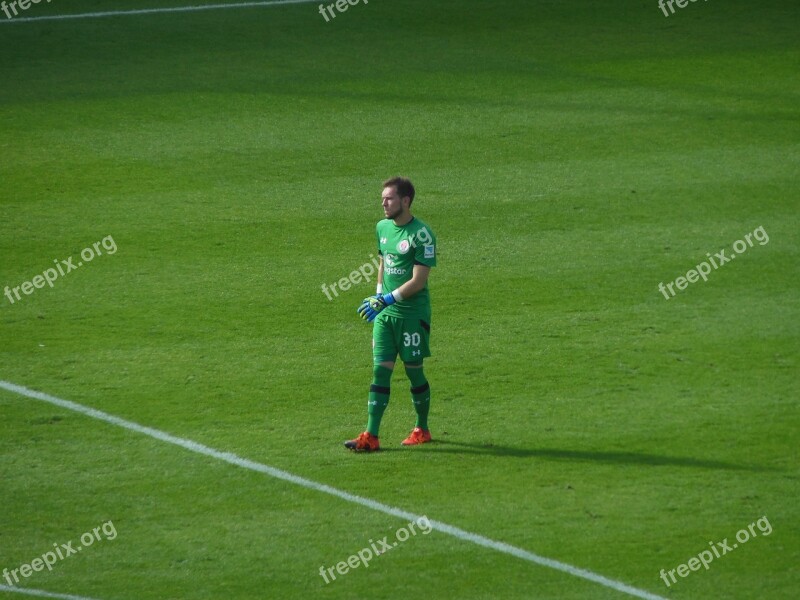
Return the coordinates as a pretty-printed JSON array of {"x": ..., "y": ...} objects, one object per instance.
[{"x": 400, "y": 312}]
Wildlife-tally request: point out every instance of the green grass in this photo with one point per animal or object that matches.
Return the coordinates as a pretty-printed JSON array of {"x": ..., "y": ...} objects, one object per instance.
[{"x": 569, "y": 155}]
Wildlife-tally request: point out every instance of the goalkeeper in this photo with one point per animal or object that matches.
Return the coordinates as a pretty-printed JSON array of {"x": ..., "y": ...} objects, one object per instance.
[{"x": 400, "y": 312}]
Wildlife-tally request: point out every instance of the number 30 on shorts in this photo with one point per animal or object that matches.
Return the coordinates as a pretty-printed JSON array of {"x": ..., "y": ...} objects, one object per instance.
[{"x": 411, "y": 339}]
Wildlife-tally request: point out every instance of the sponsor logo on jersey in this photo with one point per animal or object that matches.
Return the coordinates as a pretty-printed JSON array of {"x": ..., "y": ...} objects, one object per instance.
[
  {"x": 429, "y": 251},
  {"x": 390, "y": 261},
  {"x": 383, "y": 240},
  {"x": 403, "y": 246}
]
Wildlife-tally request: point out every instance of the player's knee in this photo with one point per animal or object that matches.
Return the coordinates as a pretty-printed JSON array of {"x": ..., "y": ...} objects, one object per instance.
[
  {"x": 386, "y": 364},
  {"x": 381, "y": 376},
  {"x": 412, "y": 365}
]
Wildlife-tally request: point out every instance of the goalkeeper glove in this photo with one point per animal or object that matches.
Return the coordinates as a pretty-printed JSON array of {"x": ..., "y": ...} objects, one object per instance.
[{"x": 370, "y": 307}]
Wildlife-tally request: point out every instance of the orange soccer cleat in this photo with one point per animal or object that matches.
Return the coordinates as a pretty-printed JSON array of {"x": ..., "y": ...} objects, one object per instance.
[
  {"x": 418, "y": 436},
  {"x": 366, "y": 442}
]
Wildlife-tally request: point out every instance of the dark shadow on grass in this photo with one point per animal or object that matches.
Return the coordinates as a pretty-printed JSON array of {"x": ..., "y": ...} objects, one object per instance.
[{"x": 618, "y": 458}]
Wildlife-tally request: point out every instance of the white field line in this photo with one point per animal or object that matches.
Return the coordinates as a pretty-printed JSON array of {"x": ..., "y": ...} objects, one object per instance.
[
  {"x": 39, "y": 593},
  {"x": 150, "y": 11},
  {"x": 245, "y": 463}
]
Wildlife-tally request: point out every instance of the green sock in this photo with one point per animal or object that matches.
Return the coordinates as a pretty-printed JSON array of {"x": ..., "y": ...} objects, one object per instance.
[
  {"x": 420, "y": 395},
  {"x": 378, "y": 397}
]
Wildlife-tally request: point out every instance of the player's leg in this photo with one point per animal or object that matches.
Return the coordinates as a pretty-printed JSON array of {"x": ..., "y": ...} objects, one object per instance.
[
  {"x": 379, "y": 392},
  {"x": 421, "y": 398},
  {"x": 415, "y": 347},
  {"x": 384, "y": 351}
]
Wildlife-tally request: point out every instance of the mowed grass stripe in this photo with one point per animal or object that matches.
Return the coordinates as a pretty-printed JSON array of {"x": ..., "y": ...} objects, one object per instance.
[{"x": 238, "y": 461}]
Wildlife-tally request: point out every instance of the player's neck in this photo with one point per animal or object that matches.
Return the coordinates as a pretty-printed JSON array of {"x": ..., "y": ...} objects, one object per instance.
[{"x": 403, "y": 219}]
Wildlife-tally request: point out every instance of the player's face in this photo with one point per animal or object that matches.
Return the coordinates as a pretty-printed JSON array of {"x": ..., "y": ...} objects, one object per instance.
[{"x": 392, "y": 203}]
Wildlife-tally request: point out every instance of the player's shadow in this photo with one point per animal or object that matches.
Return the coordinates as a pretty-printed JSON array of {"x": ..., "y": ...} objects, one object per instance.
[{"x": 618, "y": 458}]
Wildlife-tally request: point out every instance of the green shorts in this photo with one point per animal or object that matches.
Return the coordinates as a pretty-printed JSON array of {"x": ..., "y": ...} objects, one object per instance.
[{"x": 410, "y": 337}]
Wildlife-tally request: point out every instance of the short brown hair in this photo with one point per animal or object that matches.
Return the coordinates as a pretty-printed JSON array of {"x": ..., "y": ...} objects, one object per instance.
[{"x": 403, "y": 186}]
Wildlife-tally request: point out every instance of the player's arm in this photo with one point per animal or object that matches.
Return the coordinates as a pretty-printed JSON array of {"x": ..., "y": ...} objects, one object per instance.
[
  {"x": 380, "y": 276},
  {"x": 370, "y": 308},
  {"x": 419, "y": 277}
]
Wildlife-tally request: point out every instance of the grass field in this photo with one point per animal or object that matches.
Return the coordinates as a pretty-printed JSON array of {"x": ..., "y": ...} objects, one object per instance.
[{"x": 570, "y": 155}]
